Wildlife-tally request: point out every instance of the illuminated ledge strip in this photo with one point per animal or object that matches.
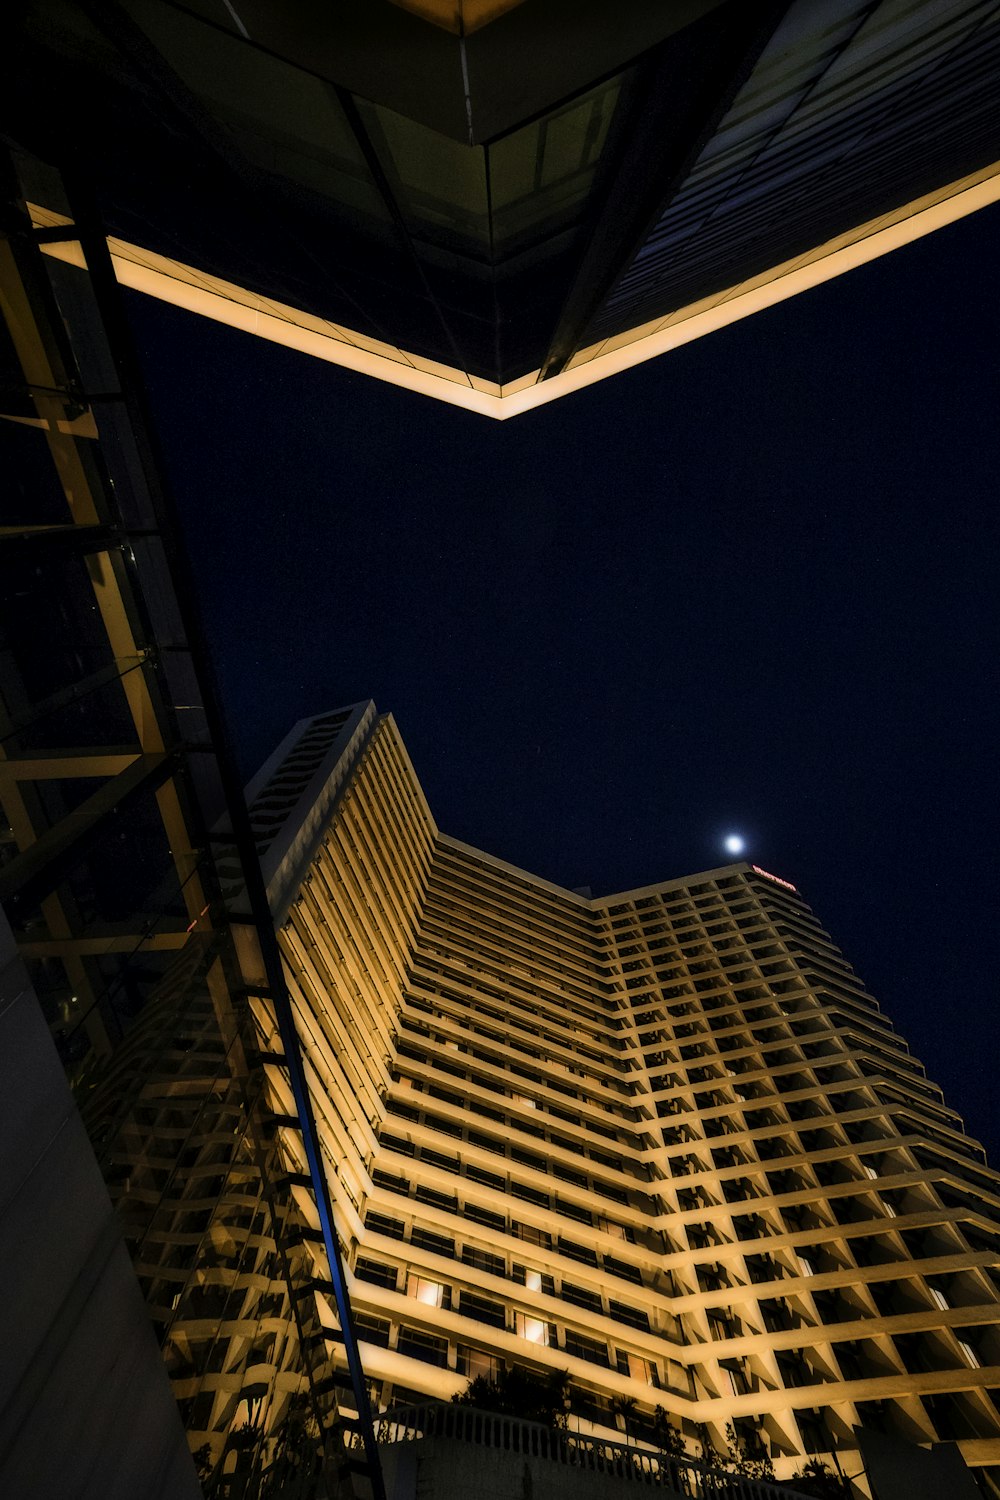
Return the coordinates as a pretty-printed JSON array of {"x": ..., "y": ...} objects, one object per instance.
[{"x": 224, "y": 302}]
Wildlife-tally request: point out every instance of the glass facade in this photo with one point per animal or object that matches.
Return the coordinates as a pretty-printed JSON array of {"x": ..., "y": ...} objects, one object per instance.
[{"x": 130, "y": 881}]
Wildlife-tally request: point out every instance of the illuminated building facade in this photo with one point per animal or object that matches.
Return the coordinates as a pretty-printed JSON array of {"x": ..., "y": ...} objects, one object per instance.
[
  {"x": 663, "y": 1140},
  {"x": 496, "y": 204}
]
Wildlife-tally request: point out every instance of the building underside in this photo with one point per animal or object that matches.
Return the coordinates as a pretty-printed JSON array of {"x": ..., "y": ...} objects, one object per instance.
[
  {"x": 503, "y": 206},
  {"x": 663, "y": 1141}
]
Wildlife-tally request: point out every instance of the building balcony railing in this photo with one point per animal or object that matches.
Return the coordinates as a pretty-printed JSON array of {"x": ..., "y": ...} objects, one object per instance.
[{"x": 678, "y": 1477}]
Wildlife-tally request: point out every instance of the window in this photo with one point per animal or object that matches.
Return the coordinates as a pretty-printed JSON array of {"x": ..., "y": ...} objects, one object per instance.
[
  {"x": 617, "y": 1231},
  {"x": 581, "y": 1347},
  {"x": 577, "y": 1252},
  {"x": 376, "y": 1271},
  {"x": 529, "y": 1194},
  {"x": 633, "y": 1316},
  {"x": 574, "y": 1211},
  {"x": 485, "y": 1216},
  {"x": 438, "y": 1244},
  {"x": 736, "y": 1375},
  {"x": 484, "y": 1260},
  {"x": 535, "y": 1281},
  {"x": 623, "y": 1270},
  {"x": 581, "y": 1297},
  {"x": 436, "y": 1199},
  {"x": 637, "y": 1368},
  {"x": 473, "y": 1362},
  {"x": 486, "y": 1179},
  {"x": 391, "y": 1180},
  {"x": 438, "y": 1159},
  {"x": 419, "y": 1345},
  {"x": 532, "y": 1236},
  {"x": 405, "y": 1111},
  {"x": 395, "y": 1143},
  {"x": 535, "y": 1330},
  {"x": 372, "y": 1330},
  {"x": 482, "y": 1309},
  {"x": 430, "y": 1293},
  {"x": 529, "y": 1159}
]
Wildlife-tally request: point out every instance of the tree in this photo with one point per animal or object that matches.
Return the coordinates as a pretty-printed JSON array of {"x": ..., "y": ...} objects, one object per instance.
[
  {"x": 627, "y": 1408},
  {"x": 815, "y": 1478},
  {"x": 708, "y": 1454},
  {"x": 748, "y": 1458},
  {"x": 519, "y": 1393},
  {"x": 204, "y": 1467},
  {"x": 668, "y": 1440}
]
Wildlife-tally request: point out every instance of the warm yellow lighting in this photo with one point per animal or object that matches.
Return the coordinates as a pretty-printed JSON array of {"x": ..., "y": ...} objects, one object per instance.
[
  {"x": 224, "y": 302},
  {"x": 430, "y": 1293},
  {"x": 533, "y": 1329},
  {"x": 462, "y": 17}
]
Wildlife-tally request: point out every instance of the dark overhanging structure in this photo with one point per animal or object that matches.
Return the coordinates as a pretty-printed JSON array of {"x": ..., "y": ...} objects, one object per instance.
[{"x": 498, "y": 204}]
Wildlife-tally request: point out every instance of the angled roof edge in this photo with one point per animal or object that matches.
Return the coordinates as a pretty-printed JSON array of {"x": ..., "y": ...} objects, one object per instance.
[
  {"x": 593, "y": 903},
  {"x": 224, "y": 302}
]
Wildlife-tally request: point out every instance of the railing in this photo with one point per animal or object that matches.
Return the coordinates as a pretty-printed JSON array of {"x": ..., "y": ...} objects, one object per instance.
[{"x": 467, "y": 1424}]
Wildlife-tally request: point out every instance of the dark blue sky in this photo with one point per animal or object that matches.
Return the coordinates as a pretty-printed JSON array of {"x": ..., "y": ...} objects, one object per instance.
[{"x": 751, "y": 586}]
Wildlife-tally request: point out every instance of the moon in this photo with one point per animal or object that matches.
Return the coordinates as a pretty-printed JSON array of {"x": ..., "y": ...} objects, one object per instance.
[{"x": 733, "y": 843}]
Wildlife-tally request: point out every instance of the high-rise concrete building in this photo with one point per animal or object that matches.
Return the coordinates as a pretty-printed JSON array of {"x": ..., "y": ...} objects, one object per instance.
[{"x": 662, "y": 1140}]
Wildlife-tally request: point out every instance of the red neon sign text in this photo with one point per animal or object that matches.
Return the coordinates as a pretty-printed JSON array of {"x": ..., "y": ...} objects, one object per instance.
[{"x": 776, "y": 878}]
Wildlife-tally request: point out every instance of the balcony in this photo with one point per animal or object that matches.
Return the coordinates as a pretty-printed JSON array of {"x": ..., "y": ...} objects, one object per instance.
[{"x": 454, "y": 1448}]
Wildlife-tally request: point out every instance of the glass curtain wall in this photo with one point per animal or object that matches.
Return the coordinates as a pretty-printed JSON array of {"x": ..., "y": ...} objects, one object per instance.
[{"x": 128, "y": 875}]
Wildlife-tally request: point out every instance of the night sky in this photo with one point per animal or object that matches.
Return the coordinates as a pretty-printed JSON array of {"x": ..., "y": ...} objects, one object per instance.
[{"x": 748, "y": 587}]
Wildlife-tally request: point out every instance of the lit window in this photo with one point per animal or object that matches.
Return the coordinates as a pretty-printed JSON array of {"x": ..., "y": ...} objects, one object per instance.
[
  {"x": 523, "y": 1099},
  {"x": 430, "y": 1293},
  {"x": 533, "y": 1281},
  {"x": 641, "y": 1369},
  {"x": 969, "y": 1353},
  {"x": 871, "y": 1172},
  {"x": 535, "y": 1330},
  {"x": 940, "y": 1300},
  {"x": 806, "y": 1266}
]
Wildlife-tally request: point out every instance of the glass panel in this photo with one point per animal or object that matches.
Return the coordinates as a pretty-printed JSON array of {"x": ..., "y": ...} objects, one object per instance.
[
  {"x": 439, "y": 184},
  {"x": 541, "y": 175},
  {"x": 164, "y": 1023}
]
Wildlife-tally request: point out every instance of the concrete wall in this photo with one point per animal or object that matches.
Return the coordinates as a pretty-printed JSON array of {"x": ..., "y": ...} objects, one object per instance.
[
  {"x": 86, "y": 1410},
  {"x": 441, "y": 1469}
]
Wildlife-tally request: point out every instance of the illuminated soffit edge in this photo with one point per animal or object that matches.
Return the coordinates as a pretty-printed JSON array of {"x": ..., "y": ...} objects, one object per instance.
[{"x": 224, "y": 302}]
